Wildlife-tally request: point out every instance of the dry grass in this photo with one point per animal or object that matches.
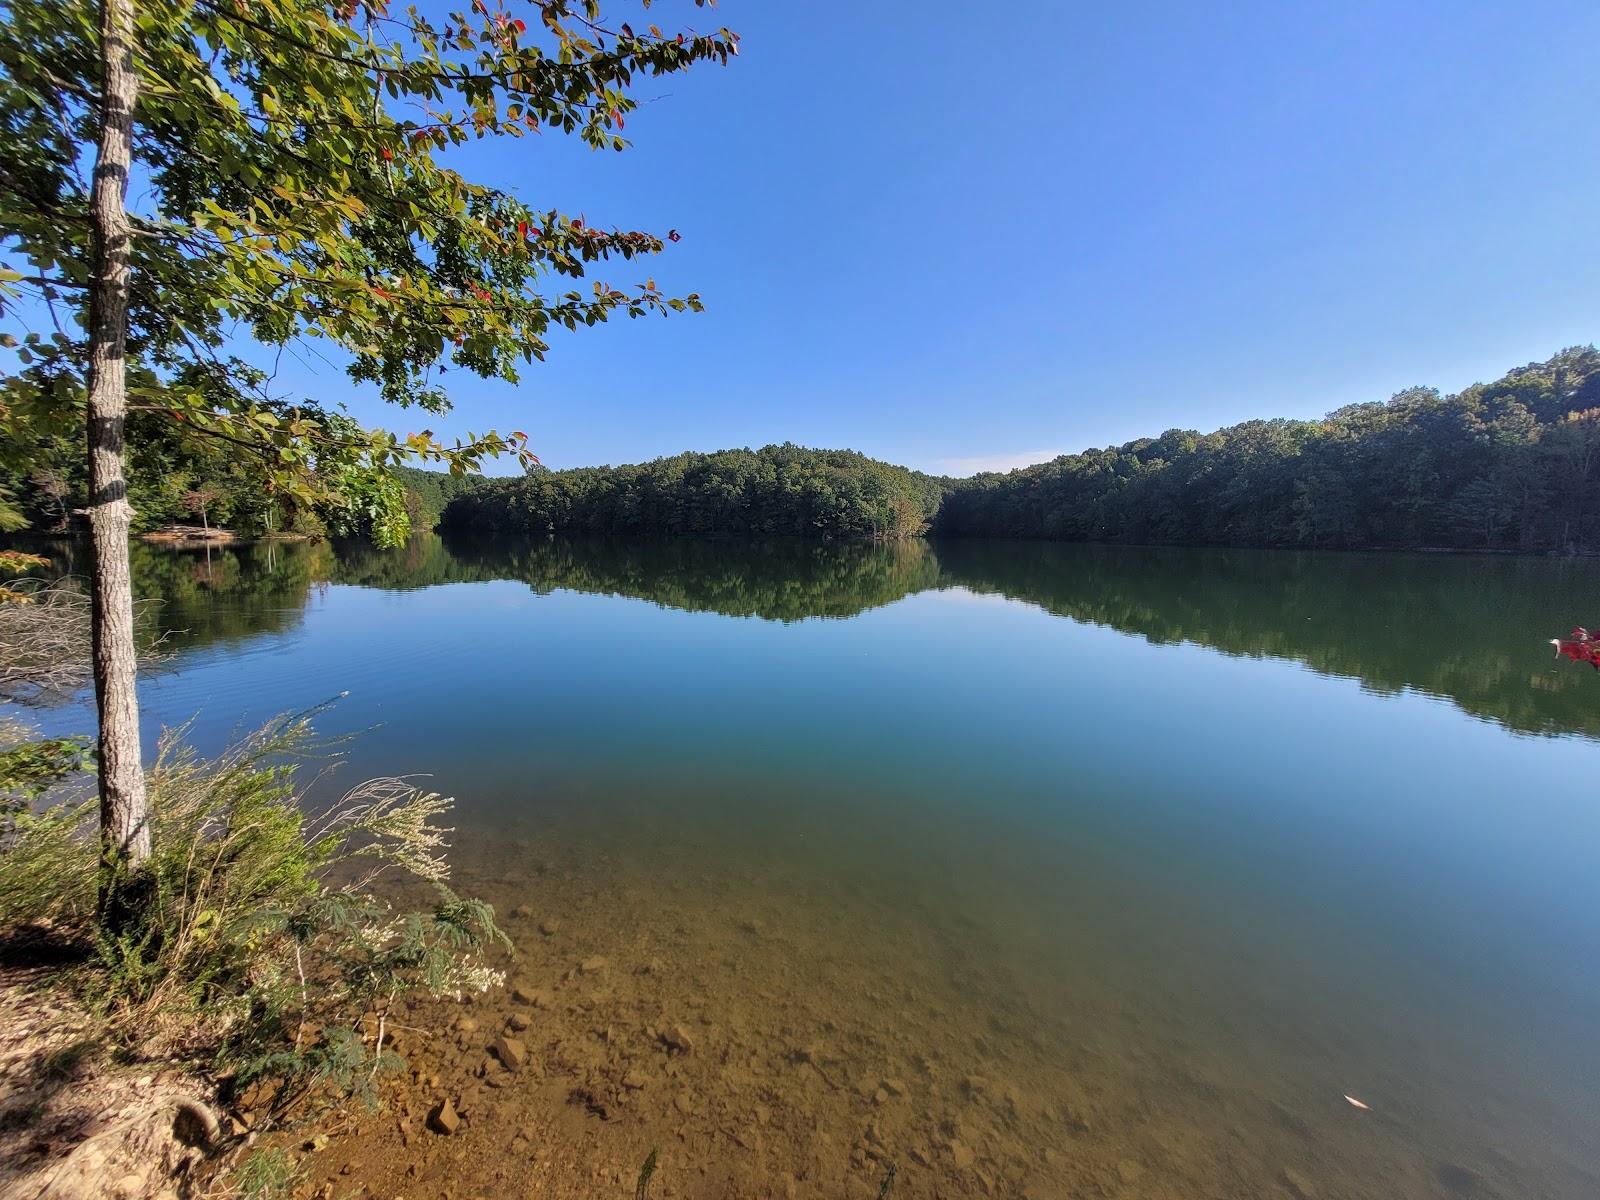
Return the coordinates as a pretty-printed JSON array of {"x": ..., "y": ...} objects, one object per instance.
[
  {"x": 45, "y": 647},
  {"x": 44, "y": 641}
]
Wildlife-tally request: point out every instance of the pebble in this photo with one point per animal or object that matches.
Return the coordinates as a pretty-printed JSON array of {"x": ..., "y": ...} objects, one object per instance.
[
  {"x": 590, "y": 966},
  {"x": 549, "y": 927},
  {"x": 678, "y": 1038},
  {"x": 1129, "y": 1171},
  {"x": 961, "y": 1154},
  {"x": 511, "y": 1052},
  {"x": 444, "y": 1118}
]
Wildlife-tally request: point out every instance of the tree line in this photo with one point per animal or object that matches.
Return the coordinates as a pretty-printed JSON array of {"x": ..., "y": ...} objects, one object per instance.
[
  {"x": 1509, "y": 465},
  {"x": 180, "y": 476},
  {"x": 782, "y": 491}
]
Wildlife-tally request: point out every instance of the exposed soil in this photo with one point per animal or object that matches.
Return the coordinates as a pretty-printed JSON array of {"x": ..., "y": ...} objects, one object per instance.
[{"x": 74, "y": 1124}]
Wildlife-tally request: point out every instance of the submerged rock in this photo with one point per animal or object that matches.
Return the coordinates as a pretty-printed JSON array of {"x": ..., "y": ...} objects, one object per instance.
[{"x": 1456, "y": 1179}]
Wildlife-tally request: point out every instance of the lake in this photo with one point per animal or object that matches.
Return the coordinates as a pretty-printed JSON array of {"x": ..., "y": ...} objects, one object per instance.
[{"x": 1036, "y": 870}]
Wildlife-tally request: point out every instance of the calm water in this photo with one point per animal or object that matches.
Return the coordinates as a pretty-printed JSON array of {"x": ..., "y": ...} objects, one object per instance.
[{"x": 1038, "y": 870}]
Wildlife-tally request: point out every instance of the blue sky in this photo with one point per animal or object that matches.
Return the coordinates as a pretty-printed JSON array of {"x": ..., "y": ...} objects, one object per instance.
[{"x": 963, "y": 243}]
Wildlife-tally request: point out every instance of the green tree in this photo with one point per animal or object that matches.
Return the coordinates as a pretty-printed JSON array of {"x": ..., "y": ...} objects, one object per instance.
[
  {"x": 1515, "y": 463},
  {"x": 293, "y": 182},
  {"x": 1573, "y": 449}
]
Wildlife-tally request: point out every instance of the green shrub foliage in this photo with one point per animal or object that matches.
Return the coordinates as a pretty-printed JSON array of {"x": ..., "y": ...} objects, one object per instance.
[{"x": 267, "y": 933}]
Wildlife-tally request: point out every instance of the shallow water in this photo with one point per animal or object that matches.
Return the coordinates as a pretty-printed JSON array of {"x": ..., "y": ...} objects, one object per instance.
[{"x": 1036, "y": 870}]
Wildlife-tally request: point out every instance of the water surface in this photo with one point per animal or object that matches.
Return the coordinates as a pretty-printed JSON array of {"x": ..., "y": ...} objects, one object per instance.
[{"x": 1037, "y": 870}]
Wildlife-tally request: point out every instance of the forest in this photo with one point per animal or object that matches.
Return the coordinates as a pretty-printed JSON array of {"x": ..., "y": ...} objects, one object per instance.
[
  {"x": 178, "y": 475},
  {"x": 1512, "y": 465},
  {"x": 777, "y": 491}
]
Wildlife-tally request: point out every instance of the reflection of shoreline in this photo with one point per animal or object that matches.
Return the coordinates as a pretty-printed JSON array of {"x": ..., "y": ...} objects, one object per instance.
[{"x": 1471, "y": 630}]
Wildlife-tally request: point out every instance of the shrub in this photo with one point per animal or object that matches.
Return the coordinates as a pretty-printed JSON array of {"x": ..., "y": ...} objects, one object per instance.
[{"x": 259, "y": 935}]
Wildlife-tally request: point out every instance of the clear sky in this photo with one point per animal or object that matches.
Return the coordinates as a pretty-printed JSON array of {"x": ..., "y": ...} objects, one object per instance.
[{"x": 960, "y": 238}]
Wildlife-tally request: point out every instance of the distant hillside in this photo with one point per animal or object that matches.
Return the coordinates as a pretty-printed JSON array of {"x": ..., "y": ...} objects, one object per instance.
[
  {"x": 1510, "y": 465},
  {"x": 783, "y": 491}
]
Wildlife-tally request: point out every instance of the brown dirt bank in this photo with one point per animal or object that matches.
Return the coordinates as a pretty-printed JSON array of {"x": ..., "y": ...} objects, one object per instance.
[{"x": 74, "y": 1123}]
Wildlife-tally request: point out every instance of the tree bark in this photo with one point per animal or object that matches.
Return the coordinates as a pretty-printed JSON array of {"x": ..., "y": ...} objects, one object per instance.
[{"x": 124, "y": 820}]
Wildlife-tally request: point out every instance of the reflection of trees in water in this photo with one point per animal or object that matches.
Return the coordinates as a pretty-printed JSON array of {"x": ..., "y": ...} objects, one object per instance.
[
  {"x": 1471, "y": 629},
  {"x": 210, "y": 594},
  {"x": 776, "y": 581}
]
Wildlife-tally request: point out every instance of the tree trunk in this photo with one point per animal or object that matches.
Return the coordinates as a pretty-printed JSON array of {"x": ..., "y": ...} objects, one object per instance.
[{"x": 124, "y": 821}]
